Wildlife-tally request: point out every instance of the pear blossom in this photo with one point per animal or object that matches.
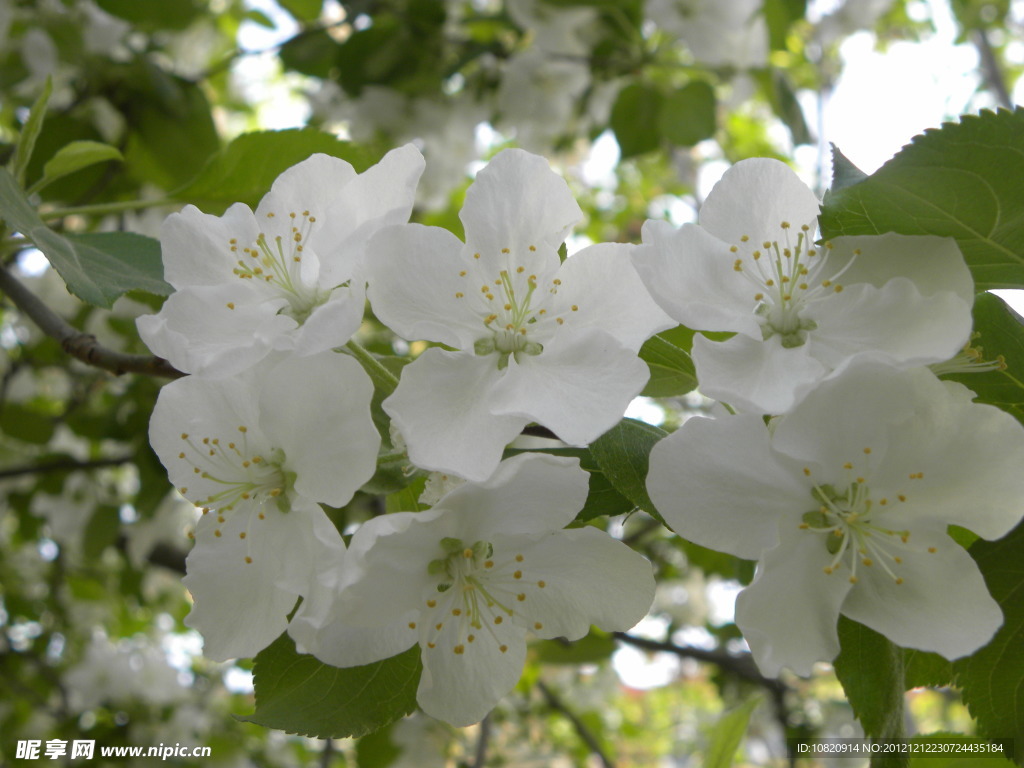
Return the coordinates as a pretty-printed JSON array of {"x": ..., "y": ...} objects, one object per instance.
[
  {"x": 798, "y": 309},
  {"x": 287, "y": 277},
  {"x": 845, "y": 503},
  {"x": 532, "y": 339},
  {"x": 257, "y": 452},
  {"x": 469, "y": 579}
]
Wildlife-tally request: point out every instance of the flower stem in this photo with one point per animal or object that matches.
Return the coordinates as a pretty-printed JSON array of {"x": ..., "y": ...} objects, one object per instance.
[
  {"x": 100, "y": 209},
  {"x": 388, "y": 458},
  {"x": 383, "y": 379}
]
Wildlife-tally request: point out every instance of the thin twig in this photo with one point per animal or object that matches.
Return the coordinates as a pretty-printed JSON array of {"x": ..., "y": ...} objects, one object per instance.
[
  {"x": 61, "y": 465},
  {"x": 76, "y": 343},
  {"x": 990, "y": 67},
  {"x": 480, "y": 760},
  {"x": 581, "y": 729},
  {"x": 742, "y": 667}
]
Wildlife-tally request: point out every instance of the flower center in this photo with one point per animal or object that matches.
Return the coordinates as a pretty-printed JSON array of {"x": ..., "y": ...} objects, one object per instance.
[
  {"x": 515, "y": 311},
  {"x": 788, "y": 275},
  {"x": 275, "y": 262},
  {"x": 852, "y": 521},
  {"x": 241, "y": 474},
  {"x": 478, "y": 591}
]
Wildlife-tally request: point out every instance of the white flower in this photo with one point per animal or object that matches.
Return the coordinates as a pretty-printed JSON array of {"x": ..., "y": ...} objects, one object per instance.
[
  {"x": 468, "y": 579},
  {"x": 717, "y": 32},
  {"x": 798, "y": 309},
  {"x": 257, "y": 452},
  {"x": 535, "y": 340},
  {"x": 287, "y": 277},
  {"x": 845, "y": 503}
]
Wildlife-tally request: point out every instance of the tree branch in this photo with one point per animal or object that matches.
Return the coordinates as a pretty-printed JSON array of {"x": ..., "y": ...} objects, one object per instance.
[
  {"x": 480, "y": 758},
  {"x": 991, "y": 68},
  {"x": 581, "y": 729},
  {"x": 60, "y": 465},
  {"x": 76, "y": 343},
  {"x": 742, "y": 667}
]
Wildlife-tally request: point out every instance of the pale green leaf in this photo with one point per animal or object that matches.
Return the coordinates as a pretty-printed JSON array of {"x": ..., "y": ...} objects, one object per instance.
[
  {"x": 727, "y": 733},
  {"x": 74, "y": 157},
  {"x": 29, "y": 134}
]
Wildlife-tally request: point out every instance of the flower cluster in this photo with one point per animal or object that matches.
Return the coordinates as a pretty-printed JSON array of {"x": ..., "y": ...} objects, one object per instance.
[
  {"x": 845, "y": 495},
  {"x": 275, "y": 420}
]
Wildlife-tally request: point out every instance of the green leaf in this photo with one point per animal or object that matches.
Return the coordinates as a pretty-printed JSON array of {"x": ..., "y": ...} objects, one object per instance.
[
  {"x": 623, "y": 454},
  {"x": 25, "y": 424},
  {"x": 76, "y": 156},
  {"x": 990, "y": 679},
  {"x": 672, "y": 371},
  {"x": 377, "y": 750},
  {"x": 244, "y": 170},
  {"x": 596, "y": 646},
  {"x": 727, "y": 734},
  {"x": 635, "y": 118},
  {"x": 154, "y": 15},
  {"x": 870, "y": 668},
  {"x": 101, "y": 531},
  {"x": 998, "y": 332},
  {"x": 29, "y": 134},
  {"x": 779, "y": 91},
  {"x": 407, "y": 499},
  {"x": 922, "y": 668},
  {"x": 299, "y": 694},
  {"x": 303, "y": 10},
  {"x": 688, "y": 115},
  {"x": 844, "y": 173},
  {"x": 97, "y": 267},
  {"x": 960, "y": 181},
  {"x": 314, "y": 54},
  {"x": 780, "y": 15},
  {"x": 603, "y": 499}
]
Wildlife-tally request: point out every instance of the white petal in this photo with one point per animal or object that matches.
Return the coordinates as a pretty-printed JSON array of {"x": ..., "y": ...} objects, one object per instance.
[
  {"x": 894, "y": 321},
  {"x": 578, "y": 387},
  {"x": 857, "y": 407},
  {"x": 198, "y": 333},
  {"x": 934, "y": 264},
  {"x": 461, "y": 688},
  {"x": 317, "y": 409},
  {"x": 754, "y": 376},
  {"x": 689, "y": 272},
  {"x": 532, "y": 493},
  {"x": 753, "y": 198},
  {"x": 415, "y": 282},
  {"x": 601, "y": 282},
  {"x": 589, "y": 578},
  {"x": 942, "y": 605},
  {"x": 241, "y": 607},
  {"x": 515, "y": 202},
  {"x": 191, "y": 410},
  {"x": 196, "y": 246},
  {"x": 789, "y": 613},
  {"x": 333, "y": 323},
  {"x": 717, "y": 482},
  {"x": 443, "y": 408}
]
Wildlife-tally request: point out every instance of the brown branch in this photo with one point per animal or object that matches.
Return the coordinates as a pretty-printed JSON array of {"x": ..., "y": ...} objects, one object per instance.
[
  {"x": 991, "y": 68},
  {"x": 60, "y": 465},
  {"x": 742, "y": 667},
  {"x": 581, "y": 729},
  {"x": 82, "y": 346}
]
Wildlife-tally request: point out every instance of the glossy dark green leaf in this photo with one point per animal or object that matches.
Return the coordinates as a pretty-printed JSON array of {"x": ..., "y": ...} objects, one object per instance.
[
  {"x": 960, "y": 181},
  {"x": 623, "y": 454},
  {"x": 297, "y": 693}
]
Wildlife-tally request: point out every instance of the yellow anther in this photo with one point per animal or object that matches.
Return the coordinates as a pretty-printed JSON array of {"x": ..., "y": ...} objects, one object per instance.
[
  {"x": 559, "y": 320},
  {"x": 883, "y": 502},
  {"x": 575, "y": 308},
  {"x": 803, "y": 286},
  {"x": 828, "y": 570},
  {"x": 460, "y": 649},
  {"x": 502, "y": 648},
  {"x": 519, "y": 558},
  {"x": 556, "y": 281},
  {"x": 489, "y": 564},
  {"x": 737, "y": 265},
  {"x": 517, "y": 575},
  {"x": 769, "y": 283},
  {"x": 431, "y": 645},
  {"x": 439, "y": 626},
  {"x": 932, "y": 550},
  {"x": 248, "y": 559},
  {"x": 508, "y": 307},
  {"x": 847, "y": 465},
  {"x": 756, "y": 255},
  {"x": 533, "y": 248},
  {"x": 456, "y": 611},
  {"x": 853, "y": 579},
  {"x": 470, "y": 638},
  {"x": 542, "y": 584},
  {"x": 520, "y": 597},
  {"x": 867, "y": 561},
  {"x": 498, "y": 619},
  {"x": 459, "y": 294},
  {"x": 901, "y": 497},
  {"x": 758, "y": 296},
  {"x": 826, "y": 283},
  {"x": 838, "y": 289},
  {"x": 785, "y": 225},
  {"x": 807, "y": 471},
  {"x": 804, "y": 227},
  {"x": 243, "y": 430},
  {"x": 476, "y": 255},
  {"x": 217, "y": 533},
  {"x": 467, "y": 553},
  {"x": 505, "y": 250},
  {"x": 744, "y": 238},
  {"x": 230, "y": 305},
  {"x": 538, "y": 625},
  {"x": 733, "y": 249},
  {"x": 520, "y": 270},
  {"x": 899, "y": 580}
]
